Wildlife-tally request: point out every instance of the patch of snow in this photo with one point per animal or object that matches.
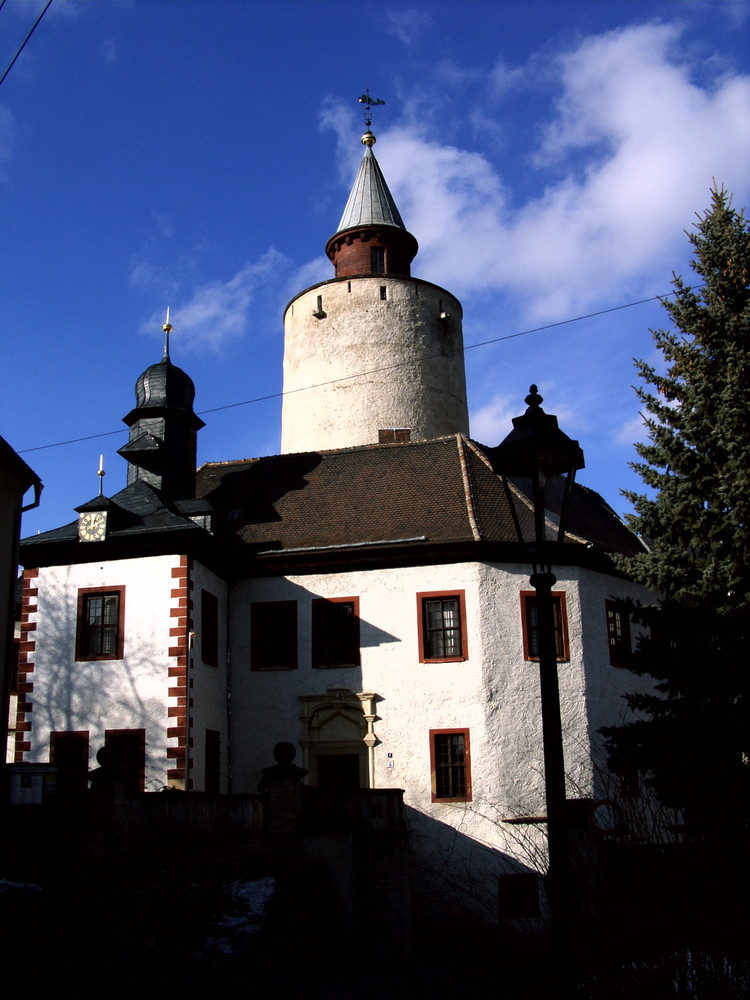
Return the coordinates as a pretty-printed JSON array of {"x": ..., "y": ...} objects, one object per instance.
[
  {"x": 249, "y": 901},
  {"x": 7, "y": 886}
]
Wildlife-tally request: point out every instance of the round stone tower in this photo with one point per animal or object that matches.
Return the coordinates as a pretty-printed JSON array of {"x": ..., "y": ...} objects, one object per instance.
[{"x": 373, "y": 354}]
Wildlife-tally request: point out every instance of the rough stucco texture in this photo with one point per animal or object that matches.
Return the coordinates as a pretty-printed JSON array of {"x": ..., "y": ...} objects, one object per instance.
[{"x": 406, "y": 360}]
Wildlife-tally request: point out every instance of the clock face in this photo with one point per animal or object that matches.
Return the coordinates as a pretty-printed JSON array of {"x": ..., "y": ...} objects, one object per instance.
[{"x": 92, "y": 527}]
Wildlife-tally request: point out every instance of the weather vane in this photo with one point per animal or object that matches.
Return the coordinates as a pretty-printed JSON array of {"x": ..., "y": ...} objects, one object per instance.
[{"x": 369, "y": 103}]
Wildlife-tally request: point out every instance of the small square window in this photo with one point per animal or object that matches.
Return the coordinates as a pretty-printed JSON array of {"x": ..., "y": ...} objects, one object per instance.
[
  {"x": 450, "y": 765},
  {"x": 273, "y": 635},
  {"x": 530, "y": 622},
  {"x": 394, "y": 435},
  {"x": 99, "y": 633},
  {"x": 618, "y": 633},
  {"x": 335, "y": 632},
  {"x": 442, "y": 626}
]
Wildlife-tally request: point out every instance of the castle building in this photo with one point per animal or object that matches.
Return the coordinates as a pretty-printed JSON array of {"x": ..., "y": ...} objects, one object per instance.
[{"x": 362, "y": 595}]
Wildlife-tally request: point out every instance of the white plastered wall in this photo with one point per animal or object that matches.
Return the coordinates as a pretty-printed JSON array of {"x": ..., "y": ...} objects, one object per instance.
[
  {"x": 494, "y": 692},
  {"x": 207, "y": 684},
  {"x": 96, "y": 695}
]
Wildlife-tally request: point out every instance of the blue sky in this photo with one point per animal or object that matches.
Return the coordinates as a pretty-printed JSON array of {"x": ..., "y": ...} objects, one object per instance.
[{"x": 547, "y": 156}]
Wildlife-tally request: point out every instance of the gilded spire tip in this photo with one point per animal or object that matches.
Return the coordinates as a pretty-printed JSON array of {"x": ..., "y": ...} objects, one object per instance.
[
  {"x": 167, "y": 328},
  {"x": 101, "y": 474}
]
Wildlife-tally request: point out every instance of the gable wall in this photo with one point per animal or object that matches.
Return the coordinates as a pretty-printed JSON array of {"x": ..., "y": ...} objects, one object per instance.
[{"x": 145, "y": 689}]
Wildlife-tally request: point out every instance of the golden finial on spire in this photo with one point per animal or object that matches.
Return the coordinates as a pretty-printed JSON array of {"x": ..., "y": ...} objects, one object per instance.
[
  {"x": 101, "y": 474},
  {"x": 167, "y": 328},
  {"x": 368, "y": 139}
]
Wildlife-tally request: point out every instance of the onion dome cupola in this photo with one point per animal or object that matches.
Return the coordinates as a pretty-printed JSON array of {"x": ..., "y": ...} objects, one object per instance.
[
  {"x": 371, "y": 237},
  {"x": 162, "y": 449}
]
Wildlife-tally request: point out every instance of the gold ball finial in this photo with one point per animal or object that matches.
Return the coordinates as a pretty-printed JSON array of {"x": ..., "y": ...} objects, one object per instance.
[
  {"x": 167, "y": 328},
  {"x": 368, "y": 139}
]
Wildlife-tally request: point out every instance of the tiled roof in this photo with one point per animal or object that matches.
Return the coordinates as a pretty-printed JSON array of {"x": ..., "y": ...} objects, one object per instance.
[
  {"x": 419, "y": 494},
  {"x": 437, "y": 491}
]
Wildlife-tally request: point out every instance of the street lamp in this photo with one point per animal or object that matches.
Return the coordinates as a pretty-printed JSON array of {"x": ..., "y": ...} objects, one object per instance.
[{"x": 537, "y": 450}]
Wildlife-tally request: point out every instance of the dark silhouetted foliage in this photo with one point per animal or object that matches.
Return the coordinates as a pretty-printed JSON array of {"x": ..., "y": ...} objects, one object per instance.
[{"x": 693, "y": 738}]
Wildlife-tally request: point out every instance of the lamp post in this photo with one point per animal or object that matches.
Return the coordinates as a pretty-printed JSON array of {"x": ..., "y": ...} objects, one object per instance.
[{"x": 537, "y": 450}]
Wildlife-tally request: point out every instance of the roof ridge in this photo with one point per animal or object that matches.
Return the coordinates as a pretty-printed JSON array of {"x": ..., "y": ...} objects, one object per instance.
[
  {"x": 468, "y": 491},
  {"x": 333, "y": 451},
  {"x": 476, "y": 447}
]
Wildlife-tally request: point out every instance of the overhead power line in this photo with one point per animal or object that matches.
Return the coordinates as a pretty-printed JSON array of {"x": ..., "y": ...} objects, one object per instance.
[
  {"x": 374, "y": 371},
  {"x": 23, "y": 43},
  {"x": 464, "y": 349}
]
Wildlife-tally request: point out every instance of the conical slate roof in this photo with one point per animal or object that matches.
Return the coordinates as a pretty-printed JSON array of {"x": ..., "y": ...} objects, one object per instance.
[{"x": 370, "y": 202}]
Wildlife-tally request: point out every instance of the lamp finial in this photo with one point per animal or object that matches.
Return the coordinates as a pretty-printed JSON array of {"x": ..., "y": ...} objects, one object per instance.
[{"x": 533, "y": 398}]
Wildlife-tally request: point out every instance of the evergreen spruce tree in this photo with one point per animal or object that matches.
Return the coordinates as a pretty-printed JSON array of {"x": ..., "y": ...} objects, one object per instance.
[{"x": 692, "y": 740}]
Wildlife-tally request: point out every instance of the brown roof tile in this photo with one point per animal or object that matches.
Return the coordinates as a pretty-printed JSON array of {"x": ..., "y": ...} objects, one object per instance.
[{"x": 442, "y": 490}]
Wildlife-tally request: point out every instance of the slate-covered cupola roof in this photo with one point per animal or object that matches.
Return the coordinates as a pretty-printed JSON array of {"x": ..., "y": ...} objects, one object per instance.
[
  {"x": 371, "y": 237},
  {"x": 162, "y": 447},
  {"x": 164, "y": 385}
]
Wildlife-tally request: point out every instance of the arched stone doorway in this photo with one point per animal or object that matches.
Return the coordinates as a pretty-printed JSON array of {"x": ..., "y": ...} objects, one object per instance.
[{"x": 337, "y": 739}]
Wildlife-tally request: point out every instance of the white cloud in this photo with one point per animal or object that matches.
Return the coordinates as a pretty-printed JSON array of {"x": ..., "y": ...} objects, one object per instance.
[
  {"x": 316, "y": 270},
  {"x": 626, "y": 159},
  {"x": 407, "y": 25},
  {"x": 219, "y": 311},
  {"x": 631, "y": 431},
  {"x": 492, "y": 422},
  {"x": 7, "y": 133},
  {"x": 736, "y": 13},
  {"x": 108, "y": 52}
]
